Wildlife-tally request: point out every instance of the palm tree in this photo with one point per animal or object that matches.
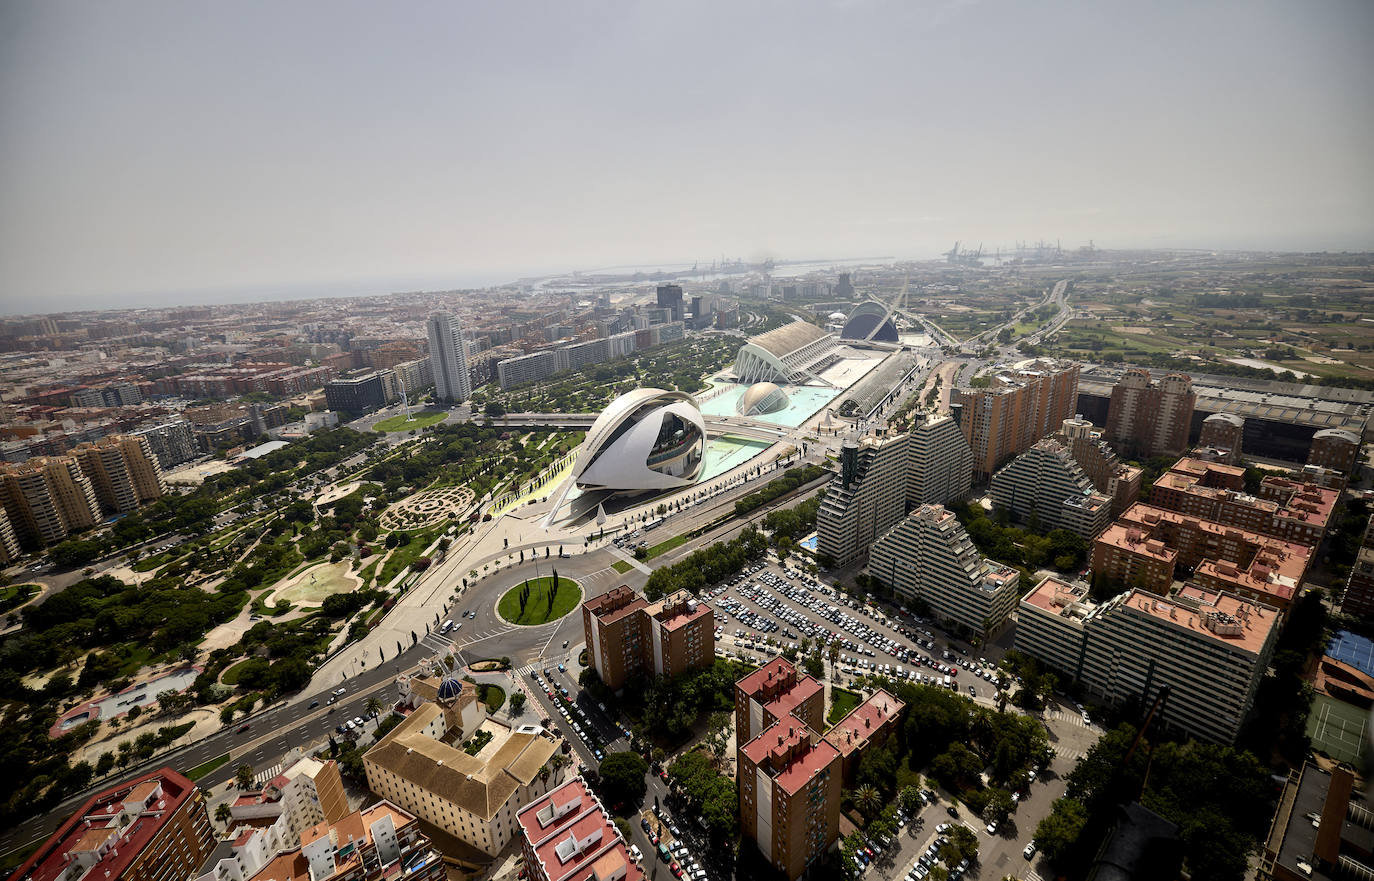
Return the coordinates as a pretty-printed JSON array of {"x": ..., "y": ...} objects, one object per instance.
[
  {"x": 222, "y": 813},
  {"x": 559, "y": 762},
  {"x": 868, "y": 800},
  {"x": 244, "y": 775},
  {"x": 373, "y": 706}
]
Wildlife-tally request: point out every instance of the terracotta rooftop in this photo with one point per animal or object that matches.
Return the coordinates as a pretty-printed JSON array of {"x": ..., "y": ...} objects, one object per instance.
[
  {"x": 1137, "y": 541},
  {"x": 678, "y": 610},
  {"x": 476, "y": 785},
  {"x": 102, "y": 812},
  {"x": 786, "y": 752},
  {"x": 1226, "y": 619},
  {"x": 556, "y": 825},
  {"x": 615, "y": 604},
  {"x": 1057, "y": 596},
  {"x": 862, "y": 722}
]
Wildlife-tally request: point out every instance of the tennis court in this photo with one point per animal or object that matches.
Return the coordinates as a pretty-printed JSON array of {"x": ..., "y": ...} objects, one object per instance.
[
  {"x": 1338, "y": 729},
  {"x": 1353, "y": 649}
]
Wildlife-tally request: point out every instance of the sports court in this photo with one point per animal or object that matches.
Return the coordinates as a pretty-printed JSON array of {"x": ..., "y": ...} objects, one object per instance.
[{"x": 1338, "y": 729}]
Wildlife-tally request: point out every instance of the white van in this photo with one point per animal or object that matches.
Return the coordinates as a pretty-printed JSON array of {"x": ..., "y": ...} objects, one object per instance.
[
  {"x": 448, "y": 625},
  {"x": 948, "y": 682}
]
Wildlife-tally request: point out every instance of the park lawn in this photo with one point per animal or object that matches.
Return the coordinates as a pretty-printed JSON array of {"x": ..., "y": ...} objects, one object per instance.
[
  {"x": 204, "y": 768},
  {"x": 537, "y": 609},
  {"x": 402, "y": 557},
  {"x": 13, "y": 595},
  {"x": 494, "y": 696},
  {"x": 417, "y": 421},
  {"x": 231, "y": 676},
  {"x": 664, "y": 546},
  {"x": 621, "y": 566},
  {"x": 842, "y": 701}
]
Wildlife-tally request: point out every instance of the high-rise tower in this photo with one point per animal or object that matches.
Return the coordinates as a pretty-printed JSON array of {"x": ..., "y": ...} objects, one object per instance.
[{"x": 448, "y": 358}]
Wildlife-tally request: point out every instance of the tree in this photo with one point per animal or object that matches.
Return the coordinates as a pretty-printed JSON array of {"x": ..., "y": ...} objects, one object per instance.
[
  {"x": 909, "y": 800},
  {"x": 517, "y": 703},
  {"x": 999, "y": 806},
  {"x": 244, "y": 775},
  {"x": 1057, "y": 833},
  {"x": 222, "y": 813},
  {"x": 868, "y": 800},
  {"x": 373, "y": 706},
  {"x": 622, "y": 778}
]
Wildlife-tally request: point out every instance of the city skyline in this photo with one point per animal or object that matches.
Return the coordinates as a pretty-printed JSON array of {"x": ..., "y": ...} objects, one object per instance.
[{"x": 269, "y": 152}]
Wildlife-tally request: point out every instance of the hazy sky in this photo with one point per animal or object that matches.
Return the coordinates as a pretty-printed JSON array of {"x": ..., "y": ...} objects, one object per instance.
[{"x": 151, "y": 152}]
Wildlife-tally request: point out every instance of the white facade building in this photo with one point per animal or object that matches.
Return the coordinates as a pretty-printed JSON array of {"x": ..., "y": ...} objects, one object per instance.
[
  {"x": 928, "y": 556},
  {"x": 448, "y": 358},
  {"x": 1210, "y": 648}
]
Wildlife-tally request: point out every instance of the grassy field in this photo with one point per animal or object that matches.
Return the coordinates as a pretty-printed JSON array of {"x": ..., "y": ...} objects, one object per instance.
[
  {"x": 417, "y": 421},
  {"x": 841, "y": 702},
  {"x": 665, "y": 546},
  {"x": 16, "y": 594},
  {"x": 231, "y": 676},
  {"x": 491, "y": 695},
  {"x": 537, "y": 608},
  {"x": 204, "y": 768},
  {"x": 621, "y": 566},
  {"x": 402, "y": 557},
  {"x": 312, "y": 586}
]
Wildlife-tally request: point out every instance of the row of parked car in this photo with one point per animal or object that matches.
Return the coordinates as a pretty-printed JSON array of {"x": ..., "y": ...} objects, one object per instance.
[{"x": 569, "y": 710}]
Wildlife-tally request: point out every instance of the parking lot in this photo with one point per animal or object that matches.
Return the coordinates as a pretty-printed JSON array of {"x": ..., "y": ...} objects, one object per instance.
[{"x": 771, "y": 608}]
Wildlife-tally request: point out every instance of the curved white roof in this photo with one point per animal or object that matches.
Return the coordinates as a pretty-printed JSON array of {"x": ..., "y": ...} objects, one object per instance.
[
  {"x": 783, "y": 341},
  {"x": 761, "y": 397},
  {"x": 616, "y": 454}
]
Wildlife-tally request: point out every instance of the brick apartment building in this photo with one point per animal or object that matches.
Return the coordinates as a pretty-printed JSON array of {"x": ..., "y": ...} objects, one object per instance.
[{"x": 628, "y": 635}]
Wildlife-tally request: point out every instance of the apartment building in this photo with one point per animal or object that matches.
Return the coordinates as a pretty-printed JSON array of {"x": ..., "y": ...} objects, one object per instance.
[
  {"x": 940, "y": 470},
  {"x": 526, "y": 368},
  {"x": 1151, "y": 418},
  {"x": 865, "y": 499},
  {"x": 567, "y": 835},
  {"x": 1284, "y": 508},
  {"x": 308, "y": 792},
  {"x": 448, "y": 358},
  {"x": 1020, "y": 406},
  {"x": 627, "y": 635},
  {"x": 774, "y": 692},
  {"x": 414, "y": 376},
  {"x": 789, "y": 776},
  {"x": 1335, "y": 448},
  {"x": 1320, "y": 830},
  {"x": 1210, "y": 648},
  {"x": 1110, "y": 476},
  {"x": 1359, "y": 588},
  {"x": 172, "y": 442},
  {"x": 363, "y": 392},
  {"x": 1045, "y": 483},
  {"x": 123, "y": 472},
  {"x": 871, "y": 723},
  {"x": 47, "y": 499},
  {"x": 1145, "y": 546},
  {"x": 9, "y": 541},
  {"x": 1224, "y": 433},
  {"x": 928, "y": 556},
  {"x": 151, "y": 828},
  {"x": 378, "y": 842},
  {"x": 420, "y": 766}
]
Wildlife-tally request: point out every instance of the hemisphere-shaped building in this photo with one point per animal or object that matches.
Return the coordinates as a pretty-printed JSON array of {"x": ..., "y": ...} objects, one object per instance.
[
  {"x": 761, "y": 398},
  {"x": 644, "y": 440},
  {"x": 869, "y": 321}
]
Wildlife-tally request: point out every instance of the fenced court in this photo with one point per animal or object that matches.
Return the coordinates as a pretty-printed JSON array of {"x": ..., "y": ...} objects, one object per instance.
[{"x": 1338, "y": 729}]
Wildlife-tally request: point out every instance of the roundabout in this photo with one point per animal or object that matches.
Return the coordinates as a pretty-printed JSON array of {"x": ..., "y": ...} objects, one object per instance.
[{"x": 536, "y": 601}]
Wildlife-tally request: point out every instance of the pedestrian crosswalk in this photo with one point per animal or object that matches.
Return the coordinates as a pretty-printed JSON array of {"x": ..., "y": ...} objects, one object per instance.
[
  {"x": 1069, "y": 755},
  {"x": 263, "y": 776},
  {"x": 1032, "y": 875}
]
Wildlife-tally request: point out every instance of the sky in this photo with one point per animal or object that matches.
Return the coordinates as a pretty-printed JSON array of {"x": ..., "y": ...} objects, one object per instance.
[{"x": 165, "y": 152}]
